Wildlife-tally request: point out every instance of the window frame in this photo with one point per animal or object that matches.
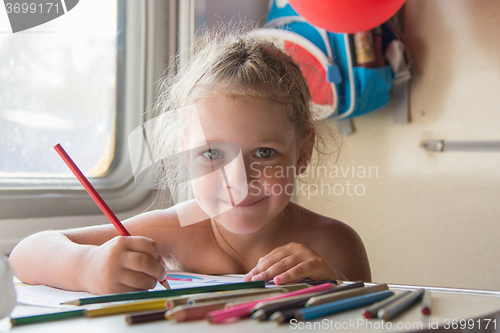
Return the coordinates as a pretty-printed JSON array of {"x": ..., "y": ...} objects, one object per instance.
[{"x": 146, "y": 53}]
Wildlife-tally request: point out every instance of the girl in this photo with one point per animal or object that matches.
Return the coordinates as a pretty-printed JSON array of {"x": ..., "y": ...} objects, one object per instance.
[{"x": 240, "y": 92}]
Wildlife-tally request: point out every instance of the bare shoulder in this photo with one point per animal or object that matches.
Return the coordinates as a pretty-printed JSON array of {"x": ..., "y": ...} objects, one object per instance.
[{"x": 337, "y": 243}]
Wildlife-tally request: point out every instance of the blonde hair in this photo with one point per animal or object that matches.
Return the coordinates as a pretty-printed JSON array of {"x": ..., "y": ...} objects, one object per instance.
[{"x": 231, "y": 61}]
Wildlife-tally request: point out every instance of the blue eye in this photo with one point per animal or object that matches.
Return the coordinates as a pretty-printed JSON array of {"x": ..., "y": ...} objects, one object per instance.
[
  {"x": 264, "y": 152},
  {"x": 213, "y": 154}
]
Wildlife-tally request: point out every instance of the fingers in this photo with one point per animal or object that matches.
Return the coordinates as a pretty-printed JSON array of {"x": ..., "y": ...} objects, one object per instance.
[
  {"x": 161, "y": 261},
  {"x": 282, "y": 266},
  {"x": 139, "y": 262},
  {"x": 257, "y": 272},
  {"x": 278, "y": 261},
  {"x": 141, "y": 244},
  {"x": 302, "y": 270},
  {"x": 290, "y": 263},
  {"x": 141, "y": 255},
  {"x": 137, "y": 280}
]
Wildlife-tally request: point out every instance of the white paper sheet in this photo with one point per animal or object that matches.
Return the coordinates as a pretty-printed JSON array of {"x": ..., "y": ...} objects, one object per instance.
[{"x": 41, "y": 295}]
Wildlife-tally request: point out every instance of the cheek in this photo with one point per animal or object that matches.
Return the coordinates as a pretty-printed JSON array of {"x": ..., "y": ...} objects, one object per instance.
[
  {"x": 210, "y": 187},
  {"x": 277, "y": 181},
  {"x": 205, "y": 186}
]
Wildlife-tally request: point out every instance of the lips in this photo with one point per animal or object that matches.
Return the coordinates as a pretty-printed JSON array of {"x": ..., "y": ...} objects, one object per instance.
[{"x": 250, "y": 202}]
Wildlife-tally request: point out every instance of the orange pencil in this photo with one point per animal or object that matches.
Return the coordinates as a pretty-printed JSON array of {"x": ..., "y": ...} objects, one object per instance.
[{"x": 95, "y": 196}]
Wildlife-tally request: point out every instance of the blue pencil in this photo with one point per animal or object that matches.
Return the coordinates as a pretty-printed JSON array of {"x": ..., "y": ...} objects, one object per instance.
[{"x": 340, "y": 306}]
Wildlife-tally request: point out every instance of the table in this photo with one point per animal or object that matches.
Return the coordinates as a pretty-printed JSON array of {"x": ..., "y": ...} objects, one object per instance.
[{"x": 451, "y": 309}]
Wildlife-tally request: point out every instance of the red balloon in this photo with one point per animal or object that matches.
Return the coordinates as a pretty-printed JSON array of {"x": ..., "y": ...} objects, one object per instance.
[{"x": 348, "y": 16}]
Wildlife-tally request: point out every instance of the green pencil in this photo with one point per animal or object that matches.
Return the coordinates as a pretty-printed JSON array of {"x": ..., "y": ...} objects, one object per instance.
[
  {"x": 45, "y": 317},
  {"x": 166, "y": 293}
]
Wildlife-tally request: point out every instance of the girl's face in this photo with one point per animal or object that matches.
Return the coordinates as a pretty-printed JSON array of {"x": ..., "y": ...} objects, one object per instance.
[{"x": 257, "y": 185}]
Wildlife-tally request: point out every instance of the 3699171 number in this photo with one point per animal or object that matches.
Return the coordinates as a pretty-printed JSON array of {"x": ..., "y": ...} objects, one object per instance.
[
  {"x": 471, "y": 324},
  {"x": 32, "y": 8}
]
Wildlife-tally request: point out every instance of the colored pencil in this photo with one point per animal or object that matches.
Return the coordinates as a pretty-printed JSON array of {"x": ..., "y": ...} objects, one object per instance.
[
  {"x": 397, "y": 307},
  {"x": 371, "y": 311},
  {"x": 194, "y": 312},
  {"x": 348, "y": 286},
  {"x": 196, "y": 299},
  {"x": 136, "y": 295},
  {"x": 91, "y": 191},
  {"x": 155, "y": 304},
  {"x": 96, "y": 197},
  {"x": 290, "y": 287},
  {"x": 315, "y": 283},
  {"x": 340, "y": 306},
  {"x": 294, "y": 303},
  {"x": 17, "y": 321},
  {"x": 146, "y": 317},
  {"x": 230, "y": 302},
  {"x": 265, "y": 304},
  {"x": 172, "y": 302},
  {"x": 201, "y": 310},
  {"x": 245, "y": 309},
  {"x": 426, "y": 303},
  {"x": 284, "y": 316},
  {"x": 187, "y": 312},
  {"x": 308, "y": 282},
  {"x": 333, "y": 297}
]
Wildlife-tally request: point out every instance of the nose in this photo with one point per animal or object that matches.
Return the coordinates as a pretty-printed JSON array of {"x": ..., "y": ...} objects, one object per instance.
[
  {"x": 235, "y": 177},
  {"x": 235, "y": 173}
]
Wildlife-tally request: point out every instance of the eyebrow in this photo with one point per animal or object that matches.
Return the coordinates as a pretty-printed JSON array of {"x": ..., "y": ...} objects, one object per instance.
[
  {"x": 261, "y": 142},
  {"x": 272, "y": 141}
]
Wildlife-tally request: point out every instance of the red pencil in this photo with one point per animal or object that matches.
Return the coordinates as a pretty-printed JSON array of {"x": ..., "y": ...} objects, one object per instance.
[{"x": 95, "y": 196}]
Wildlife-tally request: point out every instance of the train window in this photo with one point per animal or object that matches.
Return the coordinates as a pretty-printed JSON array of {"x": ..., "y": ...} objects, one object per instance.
[
  {"x": 59, "y": 85},
  {"x": 83, "y": 80}
]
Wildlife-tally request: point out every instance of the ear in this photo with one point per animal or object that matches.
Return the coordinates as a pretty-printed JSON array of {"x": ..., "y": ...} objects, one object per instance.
[{"x": 305, "y": 152}]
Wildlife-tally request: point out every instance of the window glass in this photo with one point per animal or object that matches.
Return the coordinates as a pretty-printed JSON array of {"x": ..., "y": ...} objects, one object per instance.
[{"x": 58, "y": 84}]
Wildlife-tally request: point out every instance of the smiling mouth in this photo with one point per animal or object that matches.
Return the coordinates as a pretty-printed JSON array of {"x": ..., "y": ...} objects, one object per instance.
[
  {"x": 249, "y": 202},
  {"x": 245, "y": 203}
]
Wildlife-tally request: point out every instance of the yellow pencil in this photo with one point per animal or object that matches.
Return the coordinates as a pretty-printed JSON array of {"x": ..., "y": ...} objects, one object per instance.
[{"x": 155, "y": 304}]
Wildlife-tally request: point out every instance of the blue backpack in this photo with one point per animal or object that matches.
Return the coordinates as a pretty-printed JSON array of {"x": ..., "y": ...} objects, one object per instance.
[{"x": 357, "y": 90}]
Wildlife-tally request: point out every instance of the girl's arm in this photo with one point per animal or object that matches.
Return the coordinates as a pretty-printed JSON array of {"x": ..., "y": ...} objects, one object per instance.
[
  {"x": 50, "y": 258},
  {"x": 93, "y": 259}
]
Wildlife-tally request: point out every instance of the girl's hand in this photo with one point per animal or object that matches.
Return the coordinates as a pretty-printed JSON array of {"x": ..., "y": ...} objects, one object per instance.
[
  {"x": 123, "y": 264},
  {"x": 290, "y": 263}
]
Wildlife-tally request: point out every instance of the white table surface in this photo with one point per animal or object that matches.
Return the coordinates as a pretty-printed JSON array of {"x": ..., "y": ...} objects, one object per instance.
[{"x": 449, "y": 306}]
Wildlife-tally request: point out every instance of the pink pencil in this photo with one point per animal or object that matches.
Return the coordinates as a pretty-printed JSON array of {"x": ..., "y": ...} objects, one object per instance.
[
  {"x": 245, "y": 309},
  {"x": 95, "y": 196}
]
